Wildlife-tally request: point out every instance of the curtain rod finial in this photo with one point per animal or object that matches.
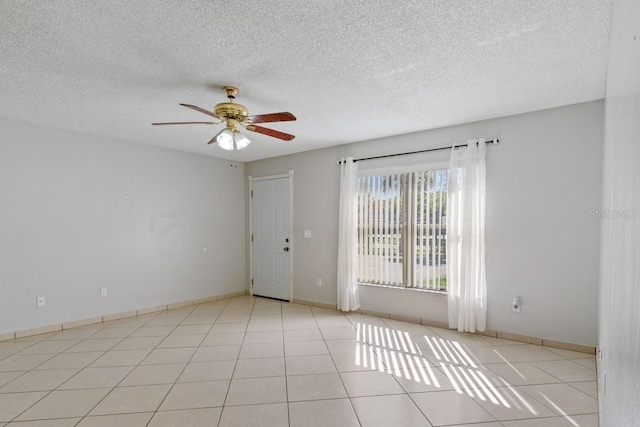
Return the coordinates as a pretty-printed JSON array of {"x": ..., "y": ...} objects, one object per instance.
[{"x": 495, "y": 141}]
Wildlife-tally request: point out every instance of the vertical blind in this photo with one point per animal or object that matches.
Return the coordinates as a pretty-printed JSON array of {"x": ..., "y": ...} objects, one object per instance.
[{"x": 401, "y": 229}]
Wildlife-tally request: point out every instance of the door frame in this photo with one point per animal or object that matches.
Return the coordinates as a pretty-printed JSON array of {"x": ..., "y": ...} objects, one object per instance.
[{"x": 288, "y": 175}]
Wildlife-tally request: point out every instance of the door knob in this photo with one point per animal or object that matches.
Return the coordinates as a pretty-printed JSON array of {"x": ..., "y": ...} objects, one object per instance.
[{"x": 286, "y": 249}]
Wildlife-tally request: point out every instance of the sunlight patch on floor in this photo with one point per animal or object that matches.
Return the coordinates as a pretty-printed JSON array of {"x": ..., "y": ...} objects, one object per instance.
[{"x": 396, "y": 352}]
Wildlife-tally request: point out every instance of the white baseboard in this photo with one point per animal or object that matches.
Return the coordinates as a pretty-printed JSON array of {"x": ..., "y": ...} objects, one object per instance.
[
  {"x": 489, "y": 333},
  {"x": 113, "y": 316}
]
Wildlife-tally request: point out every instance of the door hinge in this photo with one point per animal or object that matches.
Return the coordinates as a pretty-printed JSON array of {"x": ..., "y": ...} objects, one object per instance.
[
  {"x": 252, "y": 283},
  {"x": 251, "y": 193},
  {"x": 252, "y": 237}
]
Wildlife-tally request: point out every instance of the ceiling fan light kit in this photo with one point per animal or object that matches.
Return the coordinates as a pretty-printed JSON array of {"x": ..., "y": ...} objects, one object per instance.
[
  {"x": 230, "y": 139},
  {"x": 224, "y": 138},
  {"x": 240, "y": 141},
  {"x": 234, "y": 115}
]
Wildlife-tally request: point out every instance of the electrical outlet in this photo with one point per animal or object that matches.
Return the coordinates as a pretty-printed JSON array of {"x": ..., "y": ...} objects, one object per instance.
[
  {"x": 600, "y": 352},
  {"x": 40, "y": 302},
  {"x": 515, "y": 305},
  {"x": 103, "y": 292},
  {"x": 318, "y": 282}
]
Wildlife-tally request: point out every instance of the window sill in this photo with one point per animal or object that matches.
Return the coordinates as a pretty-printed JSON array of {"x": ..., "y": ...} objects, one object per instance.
[{"x": 402, "y": 288}]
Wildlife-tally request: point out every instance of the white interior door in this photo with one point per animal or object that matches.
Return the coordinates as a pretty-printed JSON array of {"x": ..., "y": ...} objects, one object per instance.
[{"x": 271, "y": 240}]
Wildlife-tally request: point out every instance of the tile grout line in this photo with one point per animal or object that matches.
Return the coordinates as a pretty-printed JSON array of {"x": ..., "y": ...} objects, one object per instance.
[
  {"x": 342, "y": 380},
  {"x": 195, "y": 307},
  {"x": 338, "y": 373},
  {"x": 113, "y": 388},
  {"x": 235, "y": 365},
  {"x": 284, "y": 357},
  {"x": 51, "y": 391}
]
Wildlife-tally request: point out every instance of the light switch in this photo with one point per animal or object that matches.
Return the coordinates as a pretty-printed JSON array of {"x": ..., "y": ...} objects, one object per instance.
[{"x": 307, "y": 234}]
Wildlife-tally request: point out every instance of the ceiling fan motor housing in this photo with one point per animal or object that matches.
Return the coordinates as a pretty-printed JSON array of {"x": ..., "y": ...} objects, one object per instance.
[{"x": 231, "y": 110}]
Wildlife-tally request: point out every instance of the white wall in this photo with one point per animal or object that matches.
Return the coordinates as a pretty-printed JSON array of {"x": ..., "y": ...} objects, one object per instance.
[
  {"x": 619, "y": 369},
  {"x": 80, "y": 212},
  {"x": 543, "y": 179}
]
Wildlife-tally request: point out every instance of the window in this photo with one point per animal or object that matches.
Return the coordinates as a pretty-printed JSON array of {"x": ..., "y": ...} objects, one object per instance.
[{"x": 402, "y": 229}]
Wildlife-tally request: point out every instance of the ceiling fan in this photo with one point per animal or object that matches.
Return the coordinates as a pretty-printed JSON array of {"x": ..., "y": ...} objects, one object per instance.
[{"x": 234, "y": 115}]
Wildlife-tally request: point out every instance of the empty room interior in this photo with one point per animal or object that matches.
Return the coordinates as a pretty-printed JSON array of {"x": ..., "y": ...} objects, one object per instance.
[{"x": 320, "y": 213}]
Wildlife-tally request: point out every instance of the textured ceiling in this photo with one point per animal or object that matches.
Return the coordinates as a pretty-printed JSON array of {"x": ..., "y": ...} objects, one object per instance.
[{"x": 350, "y": 71}]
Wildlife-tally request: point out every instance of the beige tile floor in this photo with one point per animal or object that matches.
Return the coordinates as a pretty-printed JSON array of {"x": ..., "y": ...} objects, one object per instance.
[{"x": 258, "y": 362}]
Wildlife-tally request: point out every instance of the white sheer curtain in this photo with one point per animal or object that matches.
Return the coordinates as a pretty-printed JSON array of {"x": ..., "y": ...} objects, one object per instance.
[
  {"x": 348, "y": 298},
  {"x": 466, "y": 282}
]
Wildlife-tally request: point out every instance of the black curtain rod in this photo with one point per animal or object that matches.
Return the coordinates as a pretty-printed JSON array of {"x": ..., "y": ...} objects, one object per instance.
[{"x": 491, "y": 141}]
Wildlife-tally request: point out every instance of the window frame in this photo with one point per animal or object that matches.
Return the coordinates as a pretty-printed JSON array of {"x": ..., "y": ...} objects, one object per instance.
[{"x": 404, "y": 169}]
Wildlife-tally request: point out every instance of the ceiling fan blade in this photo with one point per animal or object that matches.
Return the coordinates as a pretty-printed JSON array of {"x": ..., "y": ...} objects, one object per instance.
[
  {"x": 213, "y": 140},
  {"x": 202, "y": 110},
  {"x": 185, "y": 123},
  {"x": 270, "y": 132},
  {"x": 270, "y": 118}
]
